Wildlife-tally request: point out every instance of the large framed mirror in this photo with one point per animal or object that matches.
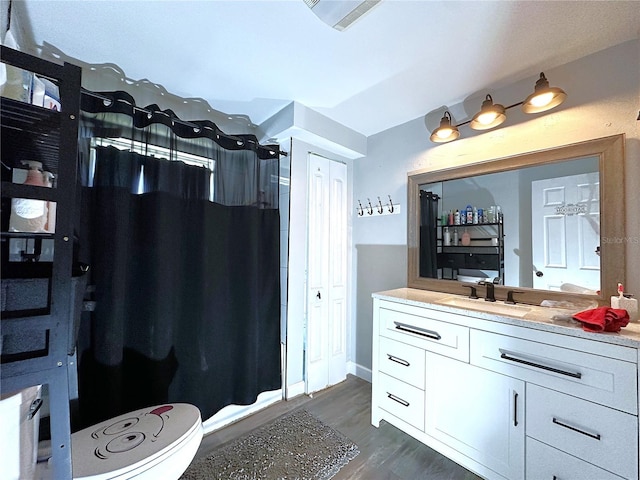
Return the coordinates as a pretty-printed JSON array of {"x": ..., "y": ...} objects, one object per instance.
[{"x": 548, "y": 224}]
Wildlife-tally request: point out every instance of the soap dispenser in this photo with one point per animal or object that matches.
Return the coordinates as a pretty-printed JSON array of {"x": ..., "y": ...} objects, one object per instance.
[{"x": 625, "y": 302}]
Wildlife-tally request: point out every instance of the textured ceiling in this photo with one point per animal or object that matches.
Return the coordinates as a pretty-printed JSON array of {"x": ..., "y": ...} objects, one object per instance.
[{"x": 398, "y": 62}]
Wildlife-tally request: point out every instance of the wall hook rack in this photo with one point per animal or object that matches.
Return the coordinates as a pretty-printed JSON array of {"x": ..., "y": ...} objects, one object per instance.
[
  {"x": 370, "y": 207},
  {"x": 377, "y": 210}
]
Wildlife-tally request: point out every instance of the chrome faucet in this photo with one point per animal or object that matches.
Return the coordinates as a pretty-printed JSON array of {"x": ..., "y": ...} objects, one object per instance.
[{"x": 490, "y": 295}]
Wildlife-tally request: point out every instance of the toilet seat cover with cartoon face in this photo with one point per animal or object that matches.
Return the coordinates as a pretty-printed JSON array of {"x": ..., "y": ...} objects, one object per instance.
[{"x": 133, "y": 439}]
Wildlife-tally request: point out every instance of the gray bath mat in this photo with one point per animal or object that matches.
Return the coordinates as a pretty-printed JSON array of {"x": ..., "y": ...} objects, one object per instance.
[{"x": 295, "y": 446}]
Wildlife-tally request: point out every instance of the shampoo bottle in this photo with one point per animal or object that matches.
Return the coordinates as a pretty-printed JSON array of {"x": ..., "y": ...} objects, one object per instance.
[
  {"x": 446, "y": 237},
  {"x": 466, "y": 238}
]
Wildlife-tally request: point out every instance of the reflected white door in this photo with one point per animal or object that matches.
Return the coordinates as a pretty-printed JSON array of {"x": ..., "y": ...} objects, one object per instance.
[
  {"x": 325, "y": 354},
  {"x": 566, "y": 232}
]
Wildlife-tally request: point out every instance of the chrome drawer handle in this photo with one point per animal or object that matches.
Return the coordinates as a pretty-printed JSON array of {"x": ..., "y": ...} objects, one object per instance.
[
  {"x": 558, "y": 422},
  {"x": 418, "y": 331},
  {"x": 398, "y": 360},
  {"x": 402, "y": 402},
  {"x": 543, "y": 367}
]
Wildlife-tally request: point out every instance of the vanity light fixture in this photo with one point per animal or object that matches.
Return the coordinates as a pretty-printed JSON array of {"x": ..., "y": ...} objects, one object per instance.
[
  {"x": 492, "y": 114},
  {"x": 543, "y": 97},
  {"x": 445, "y": 132}
]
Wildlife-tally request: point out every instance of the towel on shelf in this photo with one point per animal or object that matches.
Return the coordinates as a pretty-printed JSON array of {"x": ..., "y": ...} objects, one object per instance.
[{"x": 603, "y": 319}]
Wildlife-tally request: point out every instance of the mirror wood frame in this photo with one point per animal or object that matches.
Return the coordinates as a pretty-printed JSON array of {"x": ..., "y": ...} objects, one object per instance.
[{"x": 609, "y": 150}]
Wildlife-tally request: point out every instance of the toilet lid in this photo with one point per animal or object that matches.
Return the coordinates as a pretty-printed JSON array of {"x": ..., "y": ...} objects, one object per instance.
[{"x": 131, "y": 440}]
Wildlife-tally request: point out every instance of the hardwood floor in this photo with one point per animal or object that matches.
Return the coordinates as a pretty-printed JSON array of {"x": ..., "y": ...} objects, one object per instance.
[{"x": 386, "y": 453}]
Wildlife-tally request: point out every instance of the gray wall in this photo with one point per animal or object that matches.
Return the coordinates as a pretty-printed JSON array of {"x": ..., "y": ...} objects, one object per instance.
[
  {"x": 370, "y": 261},
  {"x": 603, "y": 92}
]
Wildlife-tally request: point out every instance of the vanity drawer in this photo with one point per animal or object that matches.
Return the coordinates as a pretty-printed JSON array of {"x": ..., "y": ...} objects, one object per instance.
[
  {"x": 546, "y": 463},
  {"x": 433, "y": 335},
  {"x": 600, "y": 379},
  {"x": 401, "y": 400},
  {"x": 599, "y": 435},
  {"x": 402, "y": 361}
]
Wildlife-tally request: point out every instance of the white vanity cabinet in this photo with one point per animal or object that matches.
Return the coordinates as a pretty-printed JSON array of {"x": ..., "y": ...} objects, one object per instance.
[
  {"x": 504, "y": 400},
  {"x": 477, "y": 412}
]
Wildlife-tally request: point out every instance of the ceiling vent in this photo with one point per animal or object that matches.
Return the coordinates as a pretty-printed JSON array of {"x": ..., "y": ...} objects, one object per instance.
[{"x": 340, "y": 14}]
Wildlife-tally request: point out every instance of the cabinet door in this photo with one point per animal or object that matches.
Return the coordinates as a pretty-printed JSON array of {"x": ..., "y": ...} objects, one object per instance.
[{"x": 477, "y": 412}]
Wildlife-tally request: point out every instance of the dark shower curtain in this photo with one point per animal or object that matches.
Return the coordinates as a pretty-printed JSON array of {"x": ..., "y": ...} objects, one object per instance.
[
  {"x": 187, "y": 290},
  {"x": 428, "y": 234}
]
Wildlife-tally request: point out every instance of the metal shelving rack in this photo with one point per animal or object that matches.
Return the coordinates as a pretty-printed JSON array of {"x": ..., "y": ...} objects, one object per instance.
[
  {"x": 475, "y": 256},
  {"x": 53, "y": 138}
]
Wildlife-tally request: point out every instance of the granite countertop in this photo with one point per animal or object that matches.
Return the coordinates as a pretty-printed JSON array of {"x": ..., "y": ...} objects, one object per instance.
[{"x": 547, "y": 319}]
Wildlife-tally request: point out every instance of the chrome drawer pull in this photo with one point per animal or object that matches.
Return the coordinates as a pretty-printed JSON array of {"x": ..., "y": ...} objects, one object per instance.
[
  {"x": 558, "y": 422},
  {"x": 418, "y": 331},
  {"x": 543, "y": 367},
  {"x": 398, "y": 360},
  {"x": 402, "y": 402}
]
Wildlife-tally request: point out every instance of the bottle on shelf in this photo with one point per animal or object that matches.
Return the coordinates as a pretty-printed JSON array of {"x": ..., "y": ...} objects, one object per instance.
[
  {"x": 491, "y": 214},
  {"x": 29, "y": 215},
  {"x": 446, "y": 237},
  {"x": 50, "y": 225},
  {"x": 455, "y": 237},
  {"x": 466, "y": 238}
]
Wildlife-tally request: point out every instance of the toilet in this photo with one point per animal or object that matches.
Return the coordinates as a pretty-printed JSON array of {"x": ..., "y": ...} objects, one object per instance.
[{"x": 147, "y": 444}]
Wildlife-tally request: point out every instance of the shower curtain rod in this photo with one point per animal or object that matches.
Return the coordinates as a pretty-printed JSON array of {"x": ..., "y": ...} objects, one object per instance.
[{"x": 196, "y": 127}]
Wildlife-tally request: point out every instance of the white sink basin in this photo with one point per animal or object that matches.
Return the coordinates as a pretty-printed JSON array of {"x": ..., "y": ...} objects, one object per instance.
[{"x": 481, "y": 305}]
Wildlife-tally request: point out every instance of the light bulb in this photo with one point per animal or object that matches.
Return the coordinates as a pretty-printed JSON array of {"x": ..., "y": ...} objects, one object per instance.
[
  {"x": 487, "y": 117},
  {"x": 542, "y": 99},
  {"x": 444, "y": 132}
]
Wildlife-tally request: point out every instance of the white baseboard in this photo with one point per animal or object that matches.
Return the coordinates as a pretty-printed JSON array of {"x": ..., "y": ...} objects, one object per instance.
[
  {"x": 359, "y": 371},
  {"x": 295, "y": 390},
  {"x": 233, "y": 413}
]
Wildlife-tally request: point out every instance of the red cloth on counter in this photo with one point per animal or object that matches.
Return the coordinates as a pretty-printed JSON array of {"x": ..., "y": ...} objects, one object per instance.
[{"x": 603, "y": 319}]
